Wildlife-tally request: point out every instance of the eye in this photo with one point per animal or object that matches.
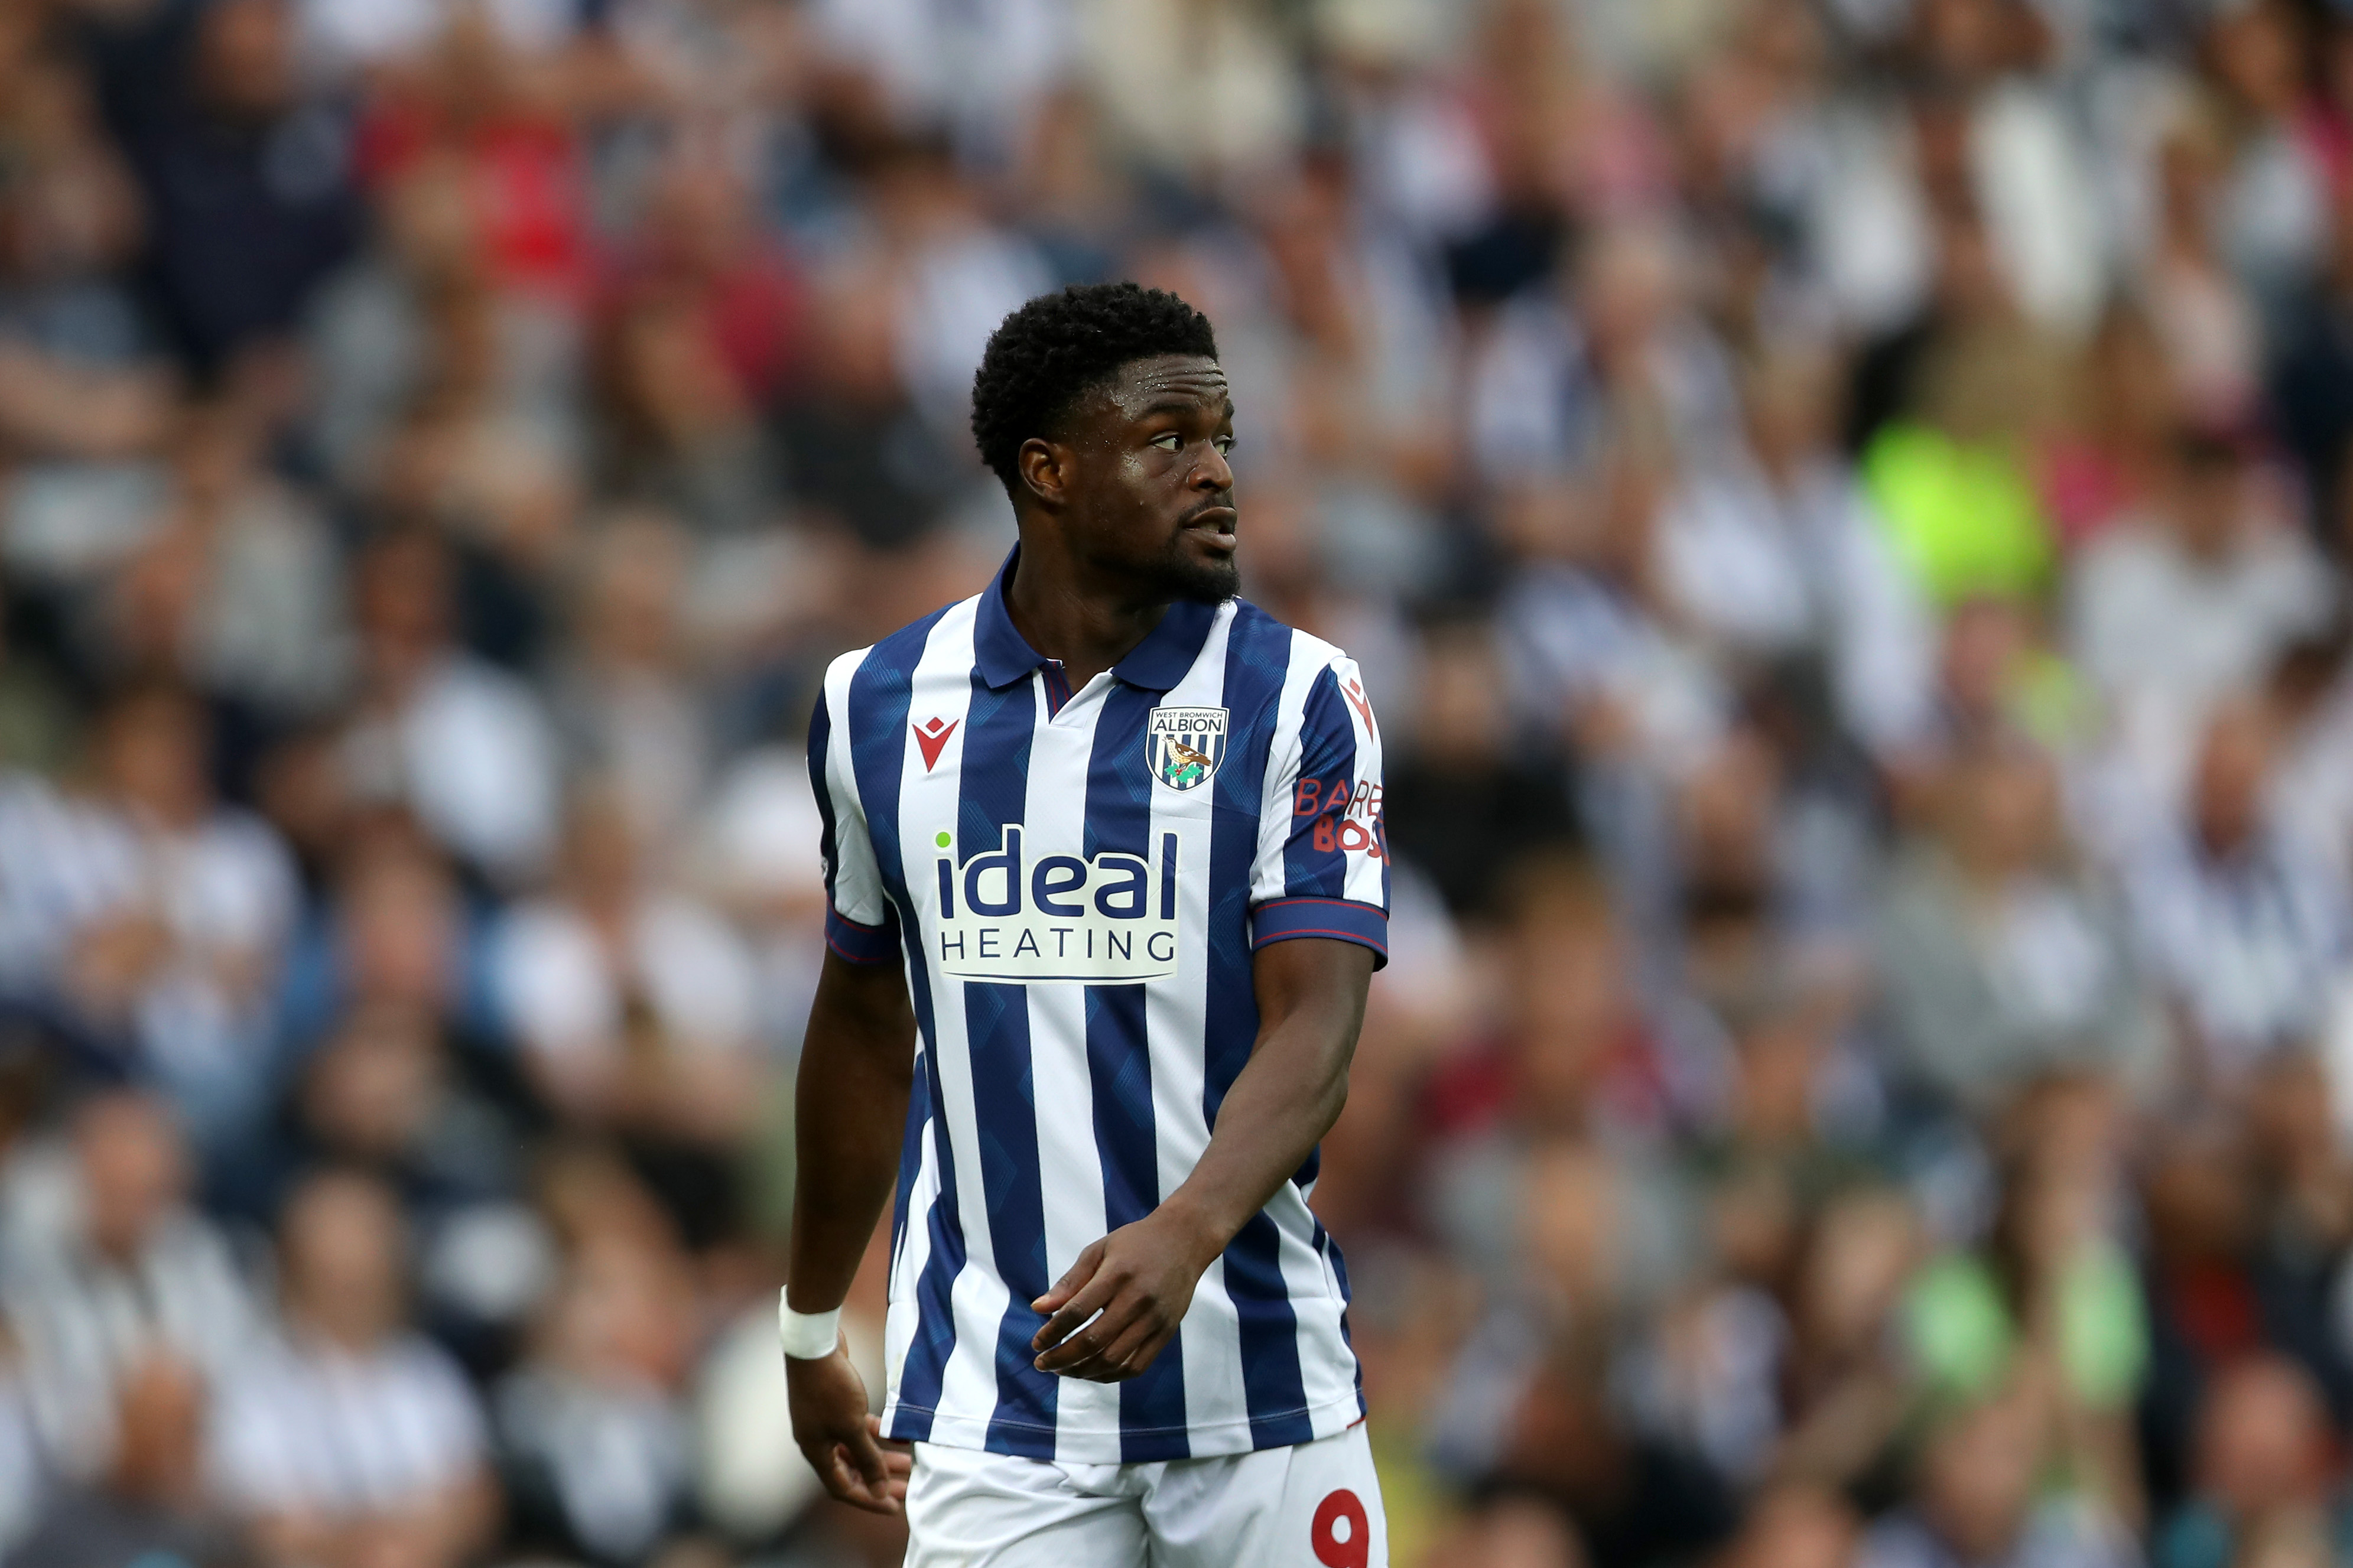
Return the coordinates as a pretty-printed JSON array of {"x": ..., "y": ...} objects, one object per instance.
[
  {"x": 1168, "y": 441},
  {"x": 1225, "y": 445}
]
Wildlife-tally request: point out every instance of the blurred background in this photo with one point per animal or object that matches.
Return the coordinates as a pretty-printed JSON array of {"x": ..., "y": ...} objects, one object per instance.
[{"x": 1843, "y": 505}]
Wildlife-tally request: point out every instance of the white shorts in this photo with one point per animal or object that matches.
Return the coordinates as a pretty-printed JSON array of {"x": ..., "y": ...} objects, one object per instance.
[{"x": 1276, "y": 1507}]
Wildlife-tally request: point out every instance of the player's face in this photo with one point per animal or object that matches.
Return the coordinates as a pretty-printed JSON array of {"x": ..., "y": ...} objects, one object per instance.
[{"x": 1154, "y": 495}]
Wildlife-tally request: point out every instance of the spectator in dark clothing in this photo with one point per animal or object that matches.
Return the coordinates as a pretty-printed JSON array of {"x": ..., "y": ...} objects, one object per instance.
[
  {"x": 1636, "y": 1501},
  {"x": 857, "y": 452},
  {"x": 398, "y": 939},
  {"x": 1462, "y": 804},
  {"x": 2312, "y": 386},
  {"x": 2245, "y": 1226},
  {"x": 145, "y": 1509},
  {"x": 1968, "y": 293},
  {"x": 1974, "y": 1501},
  {"x": 248, "y": 184},
  {"x": 435, "y": 1114},
  {"x": 2263, "y": 1473}
]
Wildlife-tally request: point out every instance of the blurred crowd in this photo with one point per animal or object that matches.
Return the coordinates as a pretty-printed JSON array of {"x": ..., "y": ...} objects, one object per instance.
[{"x": 1845, "y": 507}]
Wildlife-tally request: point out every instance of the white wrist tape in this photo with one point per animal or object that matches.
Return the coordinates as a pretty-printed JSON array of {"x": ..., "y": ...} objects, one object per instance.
[{"x": 807, "y": 1336}]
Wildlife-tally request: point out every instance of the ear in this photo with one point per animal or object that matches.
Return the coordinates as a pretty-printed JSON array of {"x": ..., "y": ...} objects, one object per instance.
[{"x": 1045, "y": 468}]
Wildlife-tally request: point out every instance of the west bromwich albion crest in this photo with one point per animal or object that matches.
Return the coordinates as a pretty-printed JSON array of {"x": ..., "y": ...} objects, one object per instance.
[{"x": 1184, "y": 745}]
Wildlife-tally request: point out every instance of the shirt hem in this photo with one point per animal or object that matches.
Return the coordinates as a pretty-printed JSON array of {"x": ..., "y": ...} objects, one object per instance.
[{"x": 1108, "y": 1445}]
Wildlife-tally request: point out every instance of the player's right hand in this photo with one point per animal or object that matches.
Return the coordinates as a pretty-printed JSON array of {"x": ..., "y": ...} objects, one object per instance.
[
  {"x": 1121, "y": 1301},
  {"x": 842, "y": 1443}
]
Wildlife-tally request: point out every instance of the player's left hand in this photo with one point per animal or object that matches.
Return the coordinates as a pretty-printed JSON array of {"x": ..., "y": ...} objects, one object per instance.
[{"x": 1135, "y": 1284}]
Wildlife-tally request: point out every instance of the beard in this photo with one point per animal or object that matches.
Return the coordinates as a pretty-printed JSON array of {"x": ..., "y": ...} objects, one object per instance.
[
  {"x": 1201, "y": 582},
  {"x": 1174, "y": 574}
]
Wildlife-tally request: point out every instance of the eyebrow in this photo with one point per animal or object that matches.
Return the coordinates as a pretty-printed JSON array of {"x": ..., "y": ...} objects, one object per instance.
[{"x": 1176, "y": 403}]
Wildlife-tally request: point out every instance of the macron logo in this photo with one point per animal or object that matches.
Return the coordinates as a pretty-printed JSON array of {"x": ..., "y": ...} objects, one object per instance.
[
  {"x": 931, "y": 735},
  {"x": 1354, "y": 692}
]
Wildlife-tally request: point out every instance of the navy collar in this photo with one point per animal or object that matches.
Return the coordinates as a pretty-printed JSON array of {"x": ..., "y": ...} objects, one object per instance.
[{"x": 1004, "y": 656}]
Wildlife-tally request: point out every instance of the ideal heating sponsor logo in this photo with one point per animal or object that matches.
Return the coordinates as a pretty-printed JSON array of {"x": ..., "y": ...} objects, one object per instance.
[{"x": 1107, "y": 920}]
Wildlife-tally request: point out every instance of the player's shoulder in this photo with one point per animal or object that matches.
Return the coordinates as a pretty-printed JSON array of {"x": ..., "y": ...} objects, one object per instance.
[
  {"x": 1300, "y": 653},
  {"x": 894, "y": 656}
]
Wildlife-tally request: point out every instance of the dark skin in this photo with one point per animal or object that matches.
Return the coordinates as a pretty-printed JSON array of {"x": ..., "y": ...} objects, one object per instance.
[
  {"x": 1136, "y": 509},
  {"x": 1130, "y": 511}
]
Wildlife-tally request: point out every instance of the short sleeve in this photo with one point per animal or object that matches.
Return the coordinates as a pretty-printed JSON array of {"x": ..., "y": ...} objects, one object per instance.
[
  {"x": 1323, "y": 867},
  {"x": 860, "y": 926}
]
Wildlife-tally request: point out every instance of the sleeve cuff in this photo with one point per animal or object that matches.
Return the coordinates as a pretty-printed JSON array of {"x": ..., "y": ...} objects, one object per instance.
[
  {"x": 1334, "y": 920},
  {"x": 856, "y": 943}
]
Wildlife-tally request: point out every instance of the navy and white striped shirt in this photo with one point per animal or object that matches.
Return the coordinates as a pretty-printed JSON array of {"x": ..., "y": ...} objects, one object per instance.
[{"x": 1075, "y": 882}]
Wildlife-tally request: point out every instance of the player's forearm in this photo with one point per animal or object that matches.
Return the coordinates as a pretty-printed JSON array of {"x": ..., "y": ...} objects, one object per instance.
[
  {"x": 850, "y": 1114},
  {"x": 1278, "y": 1109},
  {"x": 1312, "y": 999}
]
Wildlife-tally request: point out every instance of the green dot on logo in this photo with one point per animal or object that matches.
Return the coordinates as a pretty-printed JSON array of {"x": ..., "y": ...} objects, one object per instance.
[{"x": 942, "y": 841}]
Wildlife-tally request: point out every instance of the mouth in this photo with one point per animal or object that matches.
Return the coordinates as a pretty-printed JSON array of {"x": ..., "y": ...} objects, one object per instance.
[{"x": 1213, "y": 525}]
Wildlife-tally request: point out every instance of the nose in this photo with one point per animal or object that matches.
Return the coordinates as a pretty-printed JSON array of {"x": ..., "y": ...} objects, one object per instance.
[{"x": 1213, "y": 473}]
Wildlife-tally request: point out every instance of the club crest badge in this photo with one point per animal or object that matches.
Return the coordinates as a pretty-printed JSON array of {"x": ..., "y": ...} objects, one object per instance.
[{"x": 1183, "y": 746}]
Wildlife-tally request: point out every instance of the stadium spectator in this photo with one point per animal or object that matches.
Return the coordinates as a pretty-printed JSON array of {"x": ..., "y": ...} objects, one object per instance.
[
  {"x": 2048, "y": 1311},
  {"x": 464, "y": 746},
  {"x": 2000, "y": 958},
  {"x": 1775, "y": 554},
  {"x": 397, "y": 936},
  {"x": 112, "y": 1265},
  {"x": 248, "y": 177},
  {"x": 2178, "y": 609},
  {"x": 2263, "y": 1472},
  {"x": 627, "y": 703},
  {"x": 1975, "y": 1501},
  {"x": 348, "y": 1437},
  {"x": 179, "y": 907},
  {"x": 633, "y": 1007},
  {"x": 2311, "y": 355},
  {"x": 599, "y": 1449},
  {"x": 235, "y": 585},
  {"x": 2240, "y": 918},
  {"x": 1458, "y": 789},
  {"x": 859, "y": 457},
  {"x": 149, "y": 1504}
]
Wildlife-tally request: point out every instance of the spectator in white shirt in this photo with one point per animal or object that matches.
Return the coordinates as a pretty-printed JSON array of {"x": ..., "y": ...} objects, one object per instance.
[
  {"x": 1559, "y": 370},
  {"x": 1775, "y": 553},
  {"x": 593, "y": 1419},
  {"x": 974, "y": 65},
  {"x": 752, "y": 858},
  {"x": 464, "y": 745},
  {"x": 2311, "y": 692},
  {"x": 237, "y": 580},
  {"x": 2195, "y": 600},
  {"x": 350, "y": 1438},
  {"x": 189, "y": 902},
  {"x": 633, "y": 1005},
  {"x": 2244, "y": 924},
  {"x": 148, "y": 1509},
  {"x": 1999, "y": 958},
  {"x": 625, "y": 696},
  {"x": 147, "y": 912},
  {"x": 346, "y": 36},
  {"x": 1590, "y": 646},
  {"x": 118, "y": 1267}
]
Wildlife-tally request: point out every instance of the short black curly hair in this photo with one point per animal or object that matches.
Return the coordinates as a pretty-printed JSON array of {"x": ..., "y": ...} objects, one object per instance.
[{"x": 1058, "y": 347}]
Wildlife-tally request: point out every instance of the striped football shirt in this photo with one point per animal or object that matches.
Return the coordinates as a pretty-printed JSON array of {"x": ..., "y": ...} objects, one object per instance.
[{"x": 1074, "y": 882}]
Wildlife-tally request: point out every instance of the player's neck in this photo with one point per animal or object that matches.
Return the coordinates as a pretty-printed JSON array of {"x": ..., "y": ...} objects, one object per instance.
[{"x": 1066, "y": 618}]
